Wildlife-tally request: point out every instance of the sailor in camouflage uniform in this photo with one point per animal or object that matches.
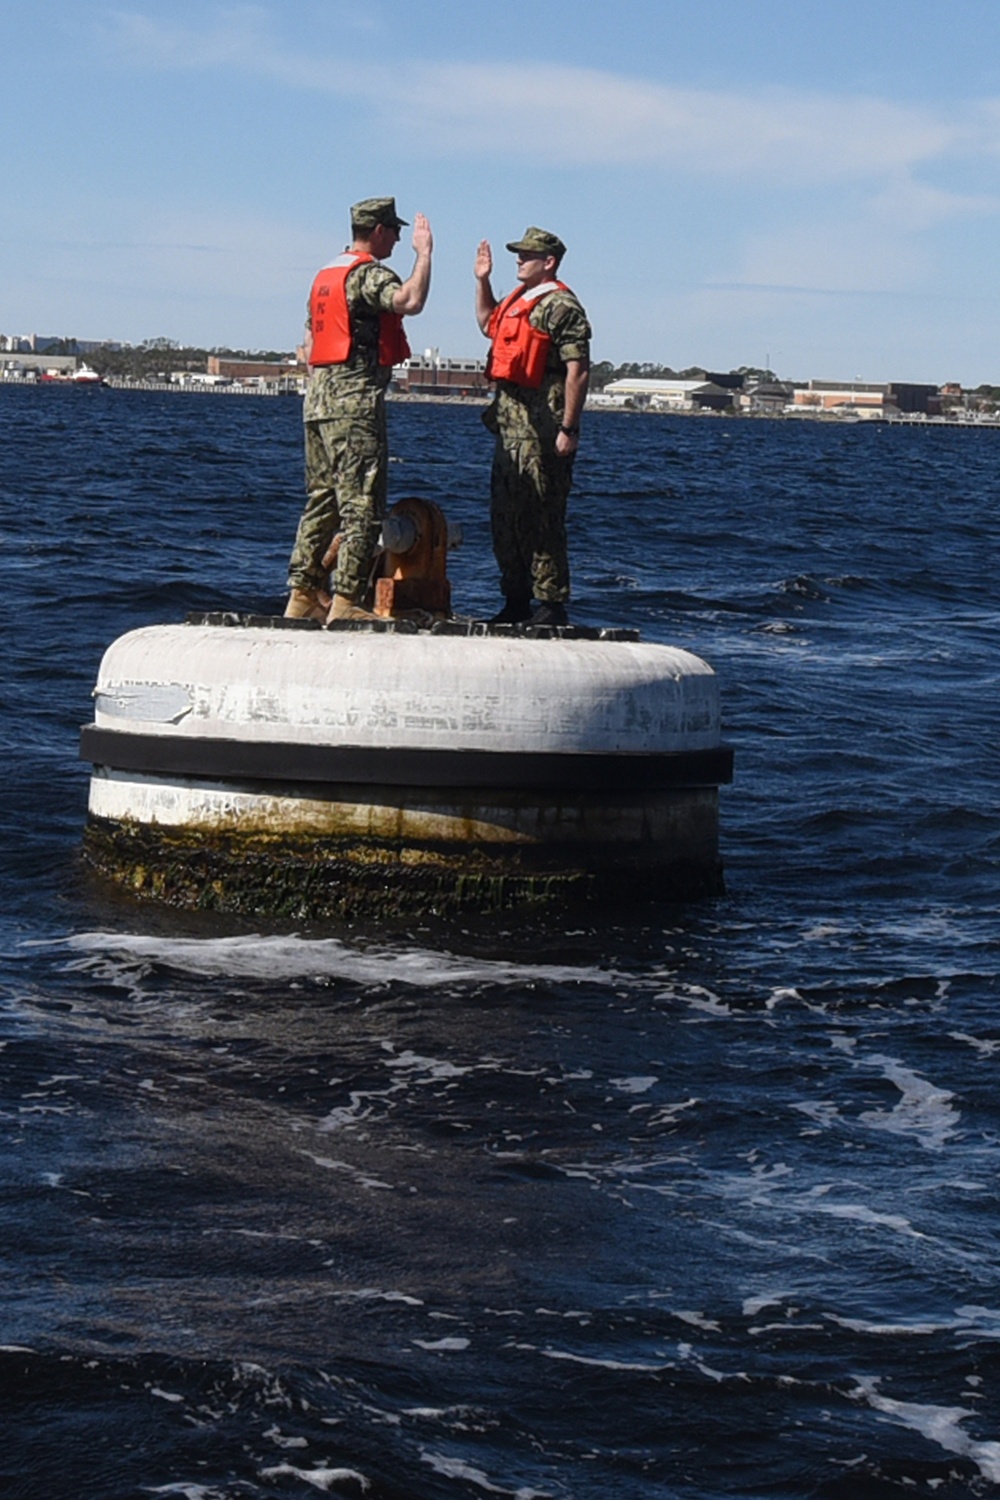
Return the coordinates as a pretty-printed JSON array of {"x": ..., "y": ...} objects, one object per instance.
[
  {"x": 540, "y": 361},
  {"x": 353, "y": 338}
]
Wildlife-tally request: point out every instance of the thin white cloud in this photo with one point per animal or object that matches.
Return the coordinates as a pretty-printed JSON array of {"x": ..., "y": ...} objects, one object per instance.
[
  {"x": 876, "y": 244},
  {"x": 851, "y": 255},
  {"x": 233, "y": 38},
  {"x": 910, "y": 206},
  {"x": 797, "y": 198},
  {"x": 202, "y": 250},
  {"x": 185, "y": 253},
  {"x": 582, "y": 116},
  {"x": 588, "y": 116}
]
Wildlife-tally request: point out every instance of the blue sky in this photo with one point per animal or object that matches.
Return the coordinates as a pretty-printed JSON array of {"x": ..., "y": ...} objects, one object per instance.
[{"x": 816, "y": 185}]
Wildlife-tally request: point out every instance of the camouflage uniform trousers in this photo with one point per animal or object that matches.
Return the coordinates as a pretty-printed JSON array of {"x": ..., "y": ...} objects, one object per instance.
[
  {"x": 346, "y": 488},
  {"x": 529, "y": 488}
]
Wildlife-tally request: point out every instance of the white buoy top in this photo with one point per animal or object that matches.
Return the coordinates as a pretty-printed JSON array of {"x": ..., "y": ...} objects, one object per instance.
[{"x": 421, "y": 691}]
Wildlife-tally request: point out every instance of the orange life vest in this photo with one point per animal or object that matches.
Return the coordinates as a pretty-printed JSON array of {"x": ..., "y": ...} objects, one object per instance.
[
  {"x": 519, "y": 352},
  {"x": 330, "y": 319}
]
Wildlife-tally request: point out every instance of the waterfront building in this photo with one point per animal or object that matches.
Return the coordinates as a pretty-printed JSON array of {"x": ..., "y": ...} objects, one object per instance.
[
  {"x": 764, "y": 398},
  {"x": 253, "y": 369},
  {"x": 667, "y": 395},
  {"x": 21, "y": 365},
  {"x": 430, "y": 375},
  {"x": 865, "y": 399}
]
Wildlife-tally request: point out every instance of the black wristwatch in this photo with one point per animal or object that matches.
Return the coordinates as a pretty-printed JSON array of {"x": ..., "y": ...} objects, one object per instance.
[{"x": 570, "y": 431}]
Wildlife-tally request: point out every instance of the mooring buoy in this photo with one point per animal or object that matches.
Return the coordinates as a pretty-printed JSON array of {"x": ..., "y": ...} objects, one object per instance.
[{"x": 274, "y": 767}]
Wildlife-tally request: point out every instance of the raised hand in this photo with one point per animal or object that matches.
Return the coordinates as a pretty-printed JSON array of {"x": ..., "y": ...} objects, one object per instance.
[
  {"x": 484, "y": 260},
  {"x": 423, "y": 240}
]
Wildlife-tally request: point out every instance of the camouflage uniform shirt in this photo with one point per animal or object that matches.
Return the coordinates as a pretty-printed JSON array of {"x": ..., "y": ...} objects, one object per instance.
[
  {"x": 530, "y": 482},
  {"x": 347, "y": 452}
]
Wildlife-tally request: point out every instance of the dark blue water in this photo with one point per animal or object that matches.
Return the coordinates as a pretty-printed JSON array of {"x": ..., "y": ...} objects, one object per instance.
[{"x": 703, "y": 1203}]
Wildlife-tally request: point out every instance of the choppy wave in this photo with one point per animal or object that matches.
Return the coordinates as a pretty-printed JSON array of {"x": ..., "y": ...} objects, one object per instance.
[{"x": 702, "y": 1203}]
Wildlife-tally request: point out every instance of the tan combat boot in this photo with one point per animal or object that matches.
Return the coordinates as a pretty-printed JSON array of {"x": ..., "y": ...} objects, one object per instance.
[
  {"x": 343, "y": 608},
  {"x": 305, "y": 604}
]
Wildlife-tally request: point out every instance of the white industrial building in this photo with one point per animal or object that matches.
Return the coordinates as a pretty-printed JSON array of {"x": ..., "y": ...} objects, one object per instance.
[{"x": 666, "y": 395}]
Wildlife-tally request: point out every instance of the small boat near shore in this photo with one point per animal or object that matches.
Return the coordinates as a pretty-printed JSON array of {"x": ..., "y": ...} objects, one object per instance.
[{"x": 84, "y": 376}]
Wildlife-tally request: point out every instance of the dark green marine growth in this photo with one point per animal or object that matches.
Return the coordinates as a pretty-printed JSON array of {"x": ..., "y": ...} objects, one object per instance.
[{"x": 308, "y": 878}]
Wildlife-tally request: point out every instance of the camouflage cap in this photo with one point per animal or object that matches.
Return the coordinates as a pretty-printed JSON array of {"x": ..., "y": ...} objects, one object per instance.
[
  {"x": 539, "y": 242},
  {"x": 373, "y": 211}
]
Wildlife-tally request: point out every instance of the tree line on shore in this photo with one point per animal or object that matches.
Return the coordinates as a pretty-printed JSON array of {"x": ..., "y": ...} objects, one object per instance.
[
  {"x": 604, "y": 372},
  {"x": 162, "y": 356}
]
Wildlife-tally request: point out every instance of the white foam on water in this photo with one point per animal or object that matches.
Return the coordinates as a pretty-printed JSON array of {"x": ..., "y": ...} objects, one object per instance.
[
  {"x": 889, "y": 1330},
  {"x": 986, "y": 1048},
  {"x": 943, "y": 926},
  {"x": 869, "y": 1217},
  {"x": 268, "y": 1235},
  {"x": 278, "y": 1438},
  {"x": 456, "y": 1468},
  {"x": 696, "y": 1320},
  {"x": 704, "y": 1003},
  {"x": 924, "y": 1112},
  {"x": 823, "y": 931},
  {"x": 362, "y": 1179},
  {"x": 984, "y": 1320},
  {"x": 633, "y": 1085},
  {"x": 320, "y": 1479},
  {"x": 630, "y": 1170},
  {"x": 938, "y": 1424},
  {"x": 432, "y": 1067},
  {"x": 376, "y": 1294},
  {"x": 345, "y": 1115},
  {"x": 841, "y": 1042},
  {"x": 756, "y": 1187},
  {"x": 604, "y": 1364},
  {"x": 190, "y": 1491},
  {"x": 769, "y": 1187},
  {"x": 688, "y": 1353},
  {"x": 253, "y": 956},
  {"x": 822, "y": 1111},
  {"x": 758, "y": 1329},
  {"x": 443, "y": 1346},
  {"x": 669, "y": 1115},
  {"x": 754, "y": 1305},
  {"x": 780, "y": 997}
]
